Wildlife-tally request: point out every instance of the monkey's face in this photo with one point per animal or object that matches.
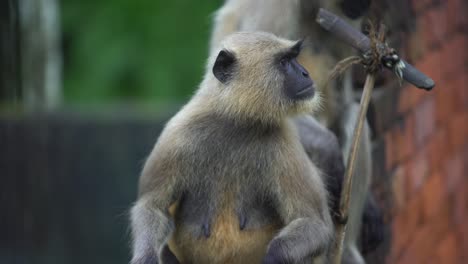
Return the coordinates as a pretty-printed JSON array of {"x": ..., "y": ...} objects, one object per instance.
[
  {"x": 297, "y": 82},
  {"x": 259, "y": 75}
]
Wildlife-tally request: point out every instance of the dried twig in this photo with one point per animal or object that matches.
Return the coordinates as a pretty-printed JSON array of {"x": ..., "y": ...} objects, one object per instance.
[
  {"x": 361, "y": 42},
  {"x": 348, "y": 180}
]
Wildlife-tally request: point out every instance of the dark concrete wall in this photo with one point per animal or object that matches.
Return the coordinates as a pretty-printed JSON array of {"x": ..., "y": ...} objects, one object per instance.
[{"x": 67, "y": 182}]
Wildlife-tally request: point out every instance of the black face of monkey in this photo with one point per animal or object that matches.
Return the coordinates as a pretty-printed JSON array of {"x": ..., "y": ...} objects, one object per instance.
[{"x": 297, "y": 82}]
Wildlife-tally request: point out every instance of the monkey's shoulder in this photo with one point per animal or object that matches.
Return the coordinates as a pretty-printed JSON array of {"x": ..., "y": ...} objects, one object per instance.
[
  {"x": 217, "y": 133},
  {"x": 205, "y": 144}
]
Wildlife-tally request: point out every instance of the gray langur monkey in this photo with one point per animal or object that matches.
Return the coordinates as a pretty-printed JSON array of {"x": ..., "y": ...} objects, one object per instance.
[
  {"x": 294, "y": 19},
  {"x": 228, "y": 180}
]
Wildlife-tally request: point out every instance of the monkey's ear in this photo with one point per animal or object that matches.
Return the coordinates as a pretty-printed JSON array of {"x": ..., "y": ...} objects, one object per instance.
[
  {"x": 296, "y": 48},
  {"x": 224, "y": 66}
]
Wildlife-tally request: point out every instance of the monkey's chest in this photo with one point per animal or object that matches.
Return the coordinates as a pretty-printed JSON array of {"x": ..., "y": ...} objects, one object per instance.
[{"x": 226, "y": 230}]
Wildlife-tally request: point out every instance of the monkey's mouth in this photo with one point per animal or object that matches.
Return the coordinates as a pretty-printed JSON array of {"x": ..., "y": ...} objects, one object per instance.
[{"x": 306, "y": 91}]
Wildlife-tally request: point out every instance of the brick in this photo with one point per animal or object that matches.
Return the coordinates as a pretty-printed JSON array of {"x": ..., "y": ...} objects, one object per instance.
[
  {"x": 462, "y": 235},
  {"x": 454, "y": 171},
  {"x": 434, "y": 195},
  {"x": 459, "y": 54},
  {"x": 430, "y": 65},
  {"x": 433, "y": 23},
  {"x": 460, "y": 203},
  {"x": 448, "y": 250},
  {"x": 452, "y": 57},
  {"x": 444, "y": 102},
  {"x": 456, "y": 14},
  {"x": 418, "y": 169},
  {"x": 437, "y": 149},
  {"x": 460, "y": 91},
  {"x": 404, "y": 225},
  {"x": 458, "y": 130},
  {"x": 426, "y": 238},
  {"x": 399, "y": 187},
  {"x": 415, "y": 46},
  {"x": 465, "y": 159},
  {"x": 424, "y": 117}
]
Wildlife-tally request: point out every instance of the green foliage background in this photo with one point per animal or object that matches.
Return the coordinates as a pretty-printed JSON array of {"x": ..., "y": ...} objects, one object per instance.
[{"x": 149, "y": 51}]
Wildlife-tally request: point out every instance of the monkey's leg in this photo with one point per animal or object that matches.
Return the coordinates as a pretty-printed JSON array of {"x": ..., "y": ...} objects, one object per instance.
[{"x": 151, "y": 229}]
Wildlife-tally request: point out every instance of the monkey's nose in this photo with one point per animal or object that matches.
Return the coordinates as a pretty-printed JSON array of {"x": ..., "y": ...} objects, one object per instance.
[{"x": 305, "y": 74}]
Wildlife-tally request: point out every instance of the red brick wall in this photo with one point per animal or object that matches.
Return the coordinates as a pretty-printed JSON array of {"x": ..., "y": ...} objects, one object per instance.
[{"x": 422, "y": 140}]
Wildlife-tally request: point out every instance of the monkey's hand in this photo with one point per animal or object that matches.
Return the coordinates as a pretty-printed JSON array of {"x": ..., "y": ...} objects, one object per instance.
[
  {"x": 299, "y": 240},
  {"x": 275, "y": 254},
  {"x": 151, "y": 229},
  {"x": 167, "y": 257}
]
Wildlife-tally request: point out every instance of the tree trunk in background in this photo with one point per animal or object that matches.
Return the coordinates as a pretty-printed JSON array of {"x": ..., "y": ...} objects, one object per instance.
[
  {"x": 31, "y": 59},
  {"x": 40, "y": 53},
  {"x": 10, "y": 84}
]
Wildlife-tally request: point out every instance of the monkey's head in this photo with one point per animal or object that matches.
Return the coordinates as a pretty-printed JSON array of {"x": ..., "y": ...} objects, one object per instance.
[{"x": 257, "y": 76}]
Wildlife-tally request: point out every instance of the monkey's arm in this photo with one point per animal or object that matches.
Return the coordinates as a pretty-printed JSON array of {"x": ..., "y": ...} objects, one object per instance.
[
  {"x": 150, "y": 221},
  {"x": 151, "y": 229},
  {"x": 323, "y": 149},
  {"x": 302, "y": 205}
]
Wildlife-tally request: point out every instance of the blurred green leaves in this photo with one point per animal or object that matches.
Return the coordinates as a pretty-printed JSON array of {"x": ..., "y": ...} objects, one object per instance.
[{"x": 134, "y": 50}]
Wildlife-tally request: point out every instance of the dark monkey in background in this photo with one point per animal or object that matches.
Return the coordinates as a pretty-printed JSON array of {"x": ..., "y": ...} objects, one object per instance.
[
  {"x": 294, "y": 19},
  {"x": 228, "y": 180}
]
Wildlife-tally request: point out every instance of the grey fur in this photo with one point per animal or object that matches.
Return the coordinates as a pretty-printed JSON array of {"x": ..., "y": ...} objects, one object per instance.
[{"x": 213, "y": 157}]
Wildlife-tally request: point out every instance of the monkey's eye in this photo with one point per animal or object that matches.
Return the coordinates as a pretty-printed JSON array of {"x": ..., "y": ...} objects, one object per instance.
[{"x": 284, "y": 62}]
